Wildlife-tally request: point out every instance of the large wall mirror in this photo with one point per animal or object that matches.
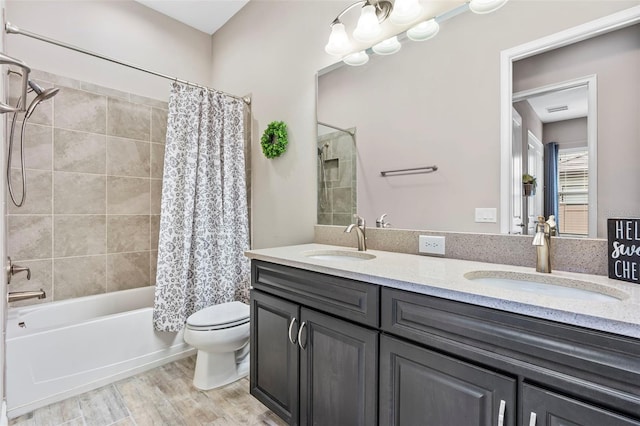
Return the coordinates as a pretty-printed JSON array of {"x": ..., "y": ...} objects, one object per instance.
[{"x": 441, "y": 102}]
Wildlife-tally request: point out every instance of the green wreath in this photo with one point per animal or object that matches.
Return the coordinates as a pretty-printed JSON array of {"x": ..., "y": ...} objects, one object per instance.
[{"x": 274, "y": 139}]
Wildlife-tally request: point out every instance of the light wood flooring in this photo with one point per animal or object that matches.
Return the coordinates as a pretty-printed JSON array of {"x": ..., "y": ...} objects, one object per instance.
[{"x": 162, "y": 396}]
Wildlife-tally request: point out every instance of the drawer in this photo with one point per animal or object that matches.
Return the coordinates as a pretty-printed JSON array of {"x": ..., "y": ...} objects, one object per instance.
[{"x": 353, "y": 300}]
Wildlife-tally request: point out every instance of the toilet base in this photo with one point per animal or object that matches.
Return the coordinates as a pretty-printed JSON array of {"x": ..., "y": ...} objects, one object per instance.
[{"x": 214, "y": 370}]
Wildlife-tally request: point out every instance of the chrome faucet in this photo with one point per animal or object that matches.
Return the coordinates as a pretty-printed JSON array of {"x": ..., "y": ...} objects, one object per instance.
[
  {"x": 542, "y": 241},
  {"x": 360, "y": 227},
  {"x": 382, "y": 223},
  {"x": 16, "y": 296}
]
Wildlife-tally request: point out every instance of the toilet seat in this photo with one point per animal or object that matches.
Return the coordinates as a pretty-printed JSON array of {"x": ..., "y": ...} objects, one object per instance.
[{"x": 216, "y": 317}]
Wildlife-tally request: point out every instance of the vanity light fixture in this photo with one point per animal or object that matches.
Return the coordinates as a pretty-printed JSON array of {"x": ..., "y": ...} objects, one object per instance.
[
  {"x": 401, "y": 13},
  {"x": 356, "y": 59},
  {"x": 424, "y": 30},
  {"x": 405, "y": 11},
  {"x": 387, "y": 47},
  {"x": 485, "y": 6}
]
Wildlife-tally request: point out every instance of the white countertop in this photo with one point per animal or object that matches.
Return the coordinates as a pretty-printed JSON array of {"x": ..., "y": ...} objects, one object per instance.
[{"x": 442, "y": 277}]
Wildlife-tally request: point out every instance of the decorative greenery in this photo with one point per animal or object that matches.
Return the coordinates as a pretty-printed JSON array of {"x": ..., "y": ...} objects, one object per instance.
[
  {"x": 528, "y": 179},
  {"x": 274, "y": 139}
]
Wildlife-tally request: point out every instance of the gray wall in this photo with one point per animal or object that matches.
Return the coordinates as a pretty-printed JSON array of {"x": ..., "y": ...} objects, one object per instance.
[{"x": 567, "y": 133}]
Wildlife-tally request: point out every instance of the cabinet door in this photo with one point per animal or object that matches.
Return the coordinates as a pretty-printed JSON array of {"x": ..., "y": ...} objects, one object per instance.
[
  {"x": 274, "y": 356},
  {"x": 338, "y": 372},
  {"x": 544, "y": 408},
  {"x": 422, "y": 387}
]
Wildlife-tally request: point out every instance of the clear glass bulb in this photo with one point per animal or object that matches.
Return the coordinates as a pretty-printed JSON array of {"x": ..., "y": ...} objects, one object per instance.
[{"x": 368, "y": 27}]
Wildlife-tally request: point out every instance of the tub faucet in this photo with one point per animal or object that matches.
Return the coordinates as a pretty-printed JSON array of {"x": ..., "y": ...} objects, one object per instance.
[
  {"x": 360, "y": 227},
  {"x": 15, "y": 296},
  {"x": 542, "y": 241}
]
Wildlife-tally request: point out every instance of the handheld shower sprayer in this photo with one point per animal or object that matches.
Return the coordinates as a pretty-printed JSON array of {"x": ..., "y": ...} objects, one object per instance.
[{"x": 41, "y": 95}]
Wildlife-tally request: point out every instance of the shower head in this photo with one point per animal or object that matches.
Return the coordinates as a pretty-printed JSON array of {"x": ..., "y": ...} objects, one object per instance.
[{"x": 42, "y": 95}]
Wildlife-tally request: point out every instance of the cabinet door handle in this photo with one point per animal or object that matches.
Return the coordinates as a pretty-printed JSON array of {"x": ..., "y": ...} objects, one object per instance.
[
  {"x": 532, "y": 419},
  {"x": 503, "y": 406},
  {"x": 300, "y": 335},
  {"x": 293, "y": 321}
]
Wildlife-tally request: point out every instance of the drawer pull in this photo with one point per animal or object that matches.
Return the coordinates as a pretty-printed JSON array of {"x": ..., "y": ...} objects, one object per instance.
[
  {"x": 532, "y": 419},
  {"x": 503, "y": 406},
  {"x": 293, "y": 321},
  {"x": 300, "y": 335}
]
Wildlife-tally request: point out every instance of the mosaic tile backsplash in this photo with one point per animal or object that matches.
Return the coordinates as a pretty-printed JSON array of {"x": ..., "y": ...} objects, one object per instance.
[{"x": 94, "y": 162}]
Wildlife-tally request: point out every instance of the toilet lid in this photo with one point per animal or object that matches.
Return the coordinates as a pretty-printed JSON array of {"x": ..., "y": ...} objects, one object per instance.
[{"x": 223, "y": 314}]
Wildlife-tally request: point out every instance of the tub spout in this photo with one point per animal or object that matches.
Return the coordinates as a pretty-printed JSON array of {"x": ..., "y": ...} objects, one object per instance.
[{"x": 16, "y": 296}]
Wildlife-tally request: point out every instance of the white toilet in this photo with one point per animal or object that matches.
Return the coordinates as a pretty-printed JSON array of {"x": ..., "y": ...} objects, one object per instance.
[{"x": 220, "y": 333}]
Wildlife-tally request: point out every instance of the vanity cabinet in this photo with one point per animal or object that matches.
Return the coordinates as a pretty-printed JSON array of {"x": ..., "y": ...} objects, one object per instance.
[
  {"x": 419, "y": 386},
  {"x": 306, "y": 366},
  {"x": 326, "y": 350},
  {"x": 545, "y": 408}
]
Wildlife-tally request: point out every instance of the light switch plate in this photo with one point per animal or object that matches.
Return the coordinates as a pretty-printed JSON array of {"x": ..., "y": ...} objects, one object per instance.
[
  {"x": 486, "y": 215},
  {"x": 430, "y": 244}
]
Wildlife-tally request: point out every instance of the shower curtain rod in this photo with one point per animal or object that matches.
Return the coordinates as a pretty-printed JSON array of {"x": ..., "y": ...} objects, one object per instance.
[{"x": 12, "y": 29}]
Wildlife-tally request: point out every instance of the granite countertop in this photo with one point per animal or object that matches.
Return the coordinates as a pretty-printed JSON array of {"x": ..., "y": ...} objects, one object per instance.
[{"x": 442, "y": 277}]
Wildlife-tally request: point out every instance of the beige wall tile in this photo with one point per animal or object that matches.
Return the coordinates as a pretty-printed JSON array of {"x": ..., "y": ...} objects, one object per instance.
[
  {"x": 126, "y": 233},
  {"x": 157, "y": 160},
  {"x": 156, "y": 196},
  {"x": 37, "y": 146},
  {"x": 127, "y": 270},
  {"x": 128, "y": 157},
  {"x": 29, "y": 237},
  {"x": 38, "y": 199},
  {"x": 153, "y": 266},
  {"x": 79, "y": 276},
  {"x": 79, "y": 151},
  {"x": 41, "y": 278},
  {"x": 78, "y": 235},
  {"x": 78, "y": 193},
  {"x": 155, "y": 231},
  {"x": 129, "y": 120},
  {"x": 159, "y": 125},
  {"x": 127, "y": 195},
  {"x": 80, "y": 110}
]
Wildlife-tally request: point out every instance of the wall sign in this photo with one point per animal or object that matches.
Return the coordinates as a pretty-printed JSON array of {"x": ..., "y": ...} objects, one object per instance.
[{"x": 624, "y": 249}]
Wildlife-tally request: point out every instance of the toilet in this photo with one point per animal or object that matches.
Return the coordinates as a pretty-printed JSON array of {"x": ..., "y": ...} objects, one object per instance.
[{"x": 220, "y": 333}]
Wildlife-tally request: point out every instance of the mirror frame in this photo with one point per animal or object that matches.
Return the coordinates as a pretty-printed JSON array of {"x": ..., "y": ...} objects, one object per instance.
[{"x": 573, "y": 35}]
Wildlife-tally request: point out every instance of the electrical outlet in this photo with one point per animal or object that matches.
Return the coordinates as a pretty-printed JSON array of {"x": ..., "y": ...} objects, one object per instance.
[{"x": 429, "y": 244}]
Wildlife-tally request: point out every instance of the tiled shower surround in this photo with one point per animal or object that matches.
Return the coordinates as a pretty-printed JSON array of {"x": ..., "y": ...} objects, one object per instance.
[
  {"x": 337, "y": 170},
  {"x": 94, "y": 162}
]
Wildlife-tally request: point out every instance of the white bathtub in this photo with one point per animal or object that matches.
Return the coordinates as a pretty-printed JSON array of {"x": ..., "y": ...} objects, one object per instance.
[{"x": 61, "y": 349}]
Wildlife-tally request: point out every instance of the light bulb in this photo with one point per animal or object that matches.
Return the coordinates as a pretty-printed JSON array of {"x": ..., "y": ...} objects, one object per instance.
[
  {"x": 338, "y": 41},
  {"x": 424, "y": 30},
  {"x": 485, "y": 6},
  {"x": 405, "y": 11},
  {"x": 357, "y": 59},
  {"x": 387, "y": 47},
  {"x": 368, "y": 27}
]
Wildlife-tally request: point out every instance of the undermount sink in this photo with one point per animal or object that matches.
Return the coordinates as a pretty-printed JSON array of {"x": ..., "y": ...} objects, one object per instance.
[
  {"x": 550, "y": 285},
  {"x": 339, "y": 255}
]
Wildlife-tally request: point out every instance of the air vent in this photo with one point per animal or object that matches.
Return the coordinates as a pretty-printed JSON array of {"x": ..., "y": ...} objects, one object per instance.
[{"x": 557, "y": 109}]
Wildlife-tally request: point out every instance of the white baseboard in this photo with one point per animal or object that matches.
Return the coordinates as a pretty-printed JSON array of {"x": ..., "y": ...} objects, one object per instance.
[{"x": 4, "y": 420}]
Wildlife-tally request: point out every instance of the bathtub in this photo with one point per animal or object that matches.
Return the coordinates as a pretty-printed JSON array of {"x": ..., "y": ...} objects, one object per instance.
[{"x": 61, "y": 349}]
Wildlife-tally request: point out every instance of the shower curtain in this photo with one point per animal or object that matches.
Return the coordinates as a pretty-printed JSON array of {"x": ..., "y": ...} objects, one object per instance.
[{"x": 204, "y": 227}]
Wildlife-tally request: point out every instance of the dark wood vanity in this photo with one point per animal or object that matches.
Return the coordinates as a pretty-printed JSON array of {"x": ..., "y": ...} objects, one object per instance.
[{"x": 327, "y": 350}]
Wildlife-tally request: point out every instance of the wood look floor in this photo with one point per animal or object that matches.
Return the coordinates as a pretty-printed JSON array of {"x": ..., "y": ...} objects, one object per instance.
[{"x": 162, "y": 396}]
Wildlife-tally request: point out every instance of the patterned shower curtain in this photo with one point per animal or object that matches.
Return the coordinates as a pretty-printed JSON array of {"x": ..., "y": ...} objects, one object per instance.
[{"x": 204, "y": 227}]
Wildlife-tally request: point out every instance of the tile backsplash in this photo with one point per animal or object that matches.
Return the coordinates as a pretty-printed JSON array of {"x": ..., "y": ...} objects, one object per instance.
[{"x": 94, "y": 162}]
